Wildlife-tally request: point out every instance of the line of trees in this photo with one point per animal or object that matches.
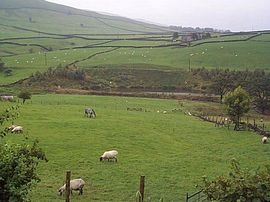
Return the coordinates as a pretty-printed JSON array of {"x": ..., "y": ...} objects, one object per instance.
[
  {"x": 69, "y": 72},
  {"x": 197, "y": 29},
  {"x": 256, "y": 83}
]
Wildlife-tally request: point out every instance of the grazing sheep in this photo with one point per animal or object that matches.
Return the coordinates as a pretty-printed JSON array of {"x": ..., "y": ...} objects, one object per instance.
[
  {"x": 76, "y": 184},
  {"x": 89, "y": 112},
  {"x": 264, "y": 140},
  {"x": 10, "y": 128},
  {"x": 17, "y": 129},
  {"x": 109, "y": 155},
  {"x": 7, "y": 98}
]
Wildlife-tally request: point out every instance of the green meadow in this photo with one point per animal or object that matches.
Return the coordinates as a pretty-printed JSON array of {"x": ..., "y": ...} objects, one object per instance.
[{"x": 171, "y": 149}]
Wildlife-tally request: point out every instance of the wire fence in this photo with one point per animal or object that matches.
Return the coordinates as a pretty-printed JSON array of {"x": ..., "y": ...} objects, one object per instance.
[{"x": 196, "y": 197}]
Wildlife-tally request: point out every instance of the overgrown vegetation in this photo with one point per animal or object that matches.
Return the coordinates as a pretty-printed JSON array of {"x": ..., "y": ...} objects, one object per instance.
[
  {"x": 240, "y": 185},
  {"x": 132, "y": 78},
  {"x": 5, "y": 70},
  {"x": 18, "y": 163},
  {"x": 67, "y": 72}
]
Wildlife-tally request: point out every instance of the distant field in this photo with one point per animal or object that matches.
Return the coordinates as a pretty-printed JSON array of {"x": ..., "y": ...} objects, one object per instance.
[
  {"x": 239, "y": 55},
  {"x": 263, "y": 38},
  {"x": 233, "y": 55},
  {"x": 172, "y": 150}
]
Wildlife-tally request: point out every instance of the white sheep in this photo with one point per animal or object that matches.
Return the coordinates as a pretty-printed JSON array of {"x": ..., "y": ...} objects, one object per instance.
[
  {"x": 10, "y": 128},
  {"x": 264, "y": 139},
  {"x": 75, "y": 184},
  {"x": 7, "y": 98},
  {"x": 107, "y": 155},
  {"x": 17, "y": 129}
]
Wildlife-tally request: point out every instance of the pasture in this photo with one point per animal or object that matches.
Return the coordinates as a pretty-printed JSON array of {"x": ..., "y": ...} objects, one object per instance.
[{"x": 171, "y": 149}]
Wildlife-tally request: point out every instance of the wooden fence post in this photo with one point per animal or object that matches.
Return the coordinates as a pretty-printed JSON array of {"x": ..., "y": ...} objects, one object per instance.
[
  {"x": 142, "y": 186},
  {"x": 186, "y": 198},
  {"x": 68, "y": 186},
  {"x": 248, "y": 124}
]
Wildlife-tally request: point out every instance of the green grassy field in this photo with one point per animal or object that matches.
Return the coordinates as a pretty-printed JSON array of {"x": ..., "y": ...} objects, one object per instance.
[
  {"x": 239, "y": 55},
  {"x": 172, "y": 150},
  {"x": 40, "y": 16}
]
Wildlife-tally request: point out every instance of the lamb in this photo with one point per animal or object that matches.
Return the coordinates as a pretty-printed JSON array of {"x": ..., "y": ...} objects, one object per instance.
[
  {"x": 75, "y": 184},
  {"x": 17, "y": 129},
  {"x": 109, "y": 155},
  {"x": 264, "y": 140}
]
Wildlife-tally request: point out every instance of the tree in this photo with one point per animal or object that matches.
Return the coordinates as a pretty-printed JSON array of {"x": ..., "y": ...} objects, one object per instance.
[
  {"x": 239, "y": 185},
  {"x": 25, "y": 95},
  {"x": 2, "y": 66},
  {"x": 7, "y": 72},
  {"x": 221, "y": 83},
  {"x": 259, "y": 88},
  {"x": 238, "y": 103},
  {"x": 175, "y": 36},
  {"x": 18, "y": 163}
]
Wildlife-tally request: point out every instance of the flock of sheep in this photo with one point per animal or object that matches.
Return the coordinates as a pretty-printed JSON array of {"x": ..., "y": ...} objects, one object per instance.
[
  {"x": 75, "y": 184},
  {"x": 78, "y": 184}
]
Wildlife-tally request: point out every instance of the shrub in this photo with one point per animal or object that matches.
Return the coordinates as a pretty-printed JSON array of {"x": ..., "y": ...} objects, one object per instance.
[
  {"x": 24, "y": 95},
  {"x": 239, "y": 185},
  {"x": 18, "y": 165}
]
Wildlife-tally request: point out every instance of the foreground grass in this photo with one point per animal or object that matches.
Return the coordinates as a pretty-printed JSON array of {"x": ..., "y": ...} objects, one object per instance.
[{"x": 172, "y": 150}]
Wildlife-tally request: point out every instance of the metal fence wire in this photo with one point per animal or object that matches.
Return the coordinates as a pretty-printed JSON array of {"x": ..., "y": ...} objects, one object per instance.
[{"x": 196, "y": 197}]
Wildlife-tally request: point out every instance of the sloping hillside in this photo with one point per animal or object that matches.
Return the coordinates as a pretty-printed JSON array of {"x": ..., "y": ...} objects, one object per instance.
[
  {"x": 36, "y": 35},
  {"x": 41, "y": 17}
]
